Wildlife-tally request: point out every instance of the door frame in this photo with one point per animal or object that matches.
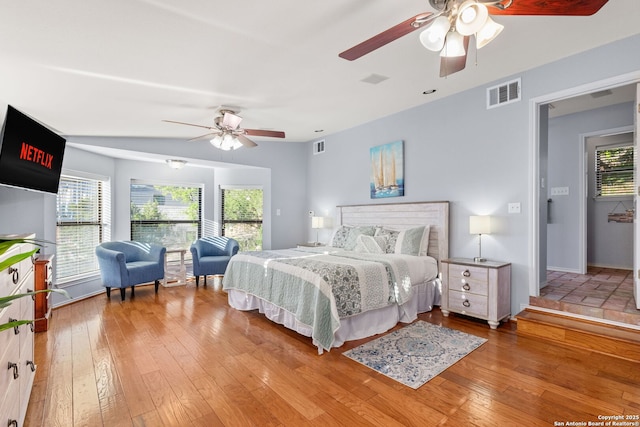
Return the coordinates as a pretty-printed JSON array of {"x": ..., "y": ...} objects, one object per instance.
[
  {"x": 534, "y": 162},
  {"x": 584, "y": 187}
]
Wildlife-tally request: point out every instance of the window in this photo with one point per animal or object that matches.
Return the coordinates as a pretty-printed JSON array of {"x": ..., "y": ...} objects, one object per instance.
[
  {"x": 83, "y": 221},
  {"x": 242, "y": 216},
  {"x": 614, "y": 171},
  {"x": 169, "y": 215}
]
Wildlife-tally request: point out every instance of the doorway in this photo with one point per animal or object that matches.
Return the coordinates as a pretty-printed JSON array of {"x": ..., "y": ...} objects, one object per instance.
[{"x": 570, "y": 233}]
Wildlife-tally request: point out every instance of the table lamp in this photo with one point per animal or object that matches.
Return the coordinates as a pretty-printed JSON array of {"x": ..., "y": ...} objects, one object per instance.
[
  {"x": 318, "y": 222},
  {"x": 479, "y": 224}
]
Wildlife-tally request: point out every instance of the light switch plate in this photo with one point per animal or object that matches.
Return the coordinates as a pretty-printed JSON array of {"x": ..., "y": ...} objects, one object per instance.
[{"x": 559, "y": 191}]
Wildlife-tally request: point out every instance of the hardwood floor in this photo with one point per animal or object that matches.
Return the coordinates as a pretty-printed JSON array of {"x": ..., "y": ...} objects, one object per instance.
[{"x": 183, "y": 357}]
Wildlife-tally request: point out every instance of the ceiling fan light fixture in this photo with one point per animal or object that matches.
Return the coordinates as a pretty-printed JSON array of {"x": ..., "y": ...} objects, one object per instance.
[
  {"x": 488, "y": 32},
  {"x": 216, "y": 141},
  {"x": 433, "y": 37},
  {"x": 175, "y": 163},
  {"x": 471, "y": 17},
  {"x": 453, "y": 46}
]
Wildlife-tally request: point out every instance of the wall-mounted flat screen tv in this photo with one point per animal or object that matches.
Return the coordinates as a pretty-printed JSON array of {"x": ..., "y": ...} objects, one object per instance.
[{"x": 30, "y": 154}]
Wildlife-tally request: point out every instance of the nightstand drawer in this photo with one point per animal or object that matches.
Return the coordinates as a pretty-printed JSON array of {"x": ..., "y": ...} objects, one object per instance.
[
  {"x": 466, "y": 303},
  {"x": 474, "y": 276}
]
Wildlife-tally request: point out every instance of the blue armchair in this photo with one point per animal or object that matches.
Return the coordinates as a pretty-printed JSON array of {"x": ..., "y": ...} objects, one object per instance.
[
  {"x": 125, "y": 263},
  {"x": 211, "y": 256}
]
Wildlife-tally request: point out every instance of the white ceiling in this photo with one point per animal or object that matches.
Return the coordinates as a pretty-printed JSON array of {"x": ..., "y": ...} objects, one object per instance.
[{"x": 119, "y": 67}]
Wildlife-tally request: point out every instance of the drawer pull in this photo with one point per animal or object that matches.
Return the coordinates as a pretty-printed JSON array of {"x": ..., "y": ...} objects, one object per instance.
[
  {"x": 466, "y": 273},
  {"x": 14, "y": 366},
  {"x": 32, "y": 326},
  {"x": 16, "y": 329},
  {"x": 12, "y": 423},
  {"x": 15, "y": 275},
  {"x": 32, "y": 365},
  {"x": 466, "y": 287},
  {"x": 466, "y": 303}
]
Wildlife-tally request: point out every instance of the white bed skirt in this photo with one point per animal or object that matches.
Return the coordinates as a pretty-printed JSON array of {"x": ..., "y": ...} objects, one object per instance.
[{"x": 363, "y": 325}]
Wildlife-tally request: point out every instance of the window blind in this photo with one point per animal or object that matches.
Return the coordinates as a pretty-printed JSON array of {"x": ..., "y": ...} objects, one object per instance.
[
  {"x": 614, "y": 171},
  {"x": 82, "y": 207},
  {"x": 169, "y": 215},
  {"x": 242, "y": 210}
]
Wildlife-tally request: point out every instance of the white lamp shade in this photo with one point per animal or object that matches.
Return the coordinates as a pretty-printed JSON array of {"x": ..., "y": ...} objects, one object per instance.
[
  {"x": 216, "y": 141},
  {"x": 453, "y": 46},
  {"x": 319, "y": 222},
  {"x": 434, "y": 36},
  {"x": 488, "y": 32},
  {"x": 480, "y": 224},
  {"x": 471, "y": 17},
  {"x": 227, "y": 142}
]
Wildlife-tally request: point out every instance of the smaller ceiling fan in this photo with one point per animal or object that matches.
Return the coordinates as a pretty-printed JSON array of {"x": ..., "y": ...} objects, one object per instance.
[
  {"x": 449, "y": 29},
  {"x": 228, "y": 135}
]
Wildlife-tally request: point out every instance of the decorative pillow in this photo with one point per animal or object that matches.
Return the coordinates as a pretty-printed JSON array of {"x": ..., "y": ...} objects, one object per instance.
[
  {"x": 371, "y": 244},
  {"x": 340, "y": 236},
  {"x": 352, "y": 236},
  {"x": 413, "y": 241},
  {"x": 392, "y": 237}
]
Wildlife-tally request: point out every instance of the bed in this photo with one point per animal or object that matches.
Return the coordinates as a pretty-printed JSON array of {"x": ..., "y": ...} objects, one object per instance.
[{"x": 362, "y": 285}]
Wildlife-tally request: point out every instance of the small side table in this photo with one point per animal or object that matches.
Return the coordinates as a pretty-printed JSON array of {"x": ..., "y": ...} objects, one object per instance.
[
  {"x": 477, "y": 289},
  {"x": 174, "y": 275}
]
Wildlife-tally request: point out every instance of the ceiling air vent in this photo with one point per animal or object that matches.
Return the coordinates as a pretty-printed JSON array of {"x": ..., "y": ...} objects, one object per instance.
[
  {"x": 504, "y": 93},
  {"x": 318, "y": 147}
]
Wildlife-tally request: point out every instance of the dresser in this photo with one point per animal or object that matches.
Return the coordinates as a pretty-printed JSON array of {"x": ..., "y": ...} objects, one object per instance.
[
  {"x": 16, "y": 344},
  {"x": 476, "y": 289}
]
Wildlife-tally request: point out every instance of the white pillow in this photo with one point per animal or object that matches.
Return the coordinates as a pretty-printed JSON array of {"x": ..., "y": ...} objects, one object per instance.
[
  {"x": 413, "y": 241},
  {"x": 371, "y": 244}
]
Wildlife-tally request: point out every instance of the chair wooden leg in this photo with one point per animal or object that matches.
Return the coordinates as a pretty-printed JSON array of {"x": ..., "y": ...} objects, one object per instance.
[
  {"x": 197, "y": 281},
  {"x": 122, "y": 293},
  {"x": 132, "y": 292},
  {"x": 205, "y": 280},
  {"x": 157, "y": 285},
  {"x": 108, "y": 292}
]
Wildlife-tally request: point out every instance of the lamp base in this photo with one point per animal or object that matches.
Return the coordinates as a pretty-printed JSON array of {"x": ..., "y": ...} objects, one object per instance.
[{"x": 479, "y": 259}]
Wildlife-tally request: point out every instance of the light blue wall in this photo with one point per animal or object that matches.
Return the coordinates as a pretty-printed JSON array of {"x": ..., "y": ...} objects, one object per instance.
[{"x": 457, "y": 150}]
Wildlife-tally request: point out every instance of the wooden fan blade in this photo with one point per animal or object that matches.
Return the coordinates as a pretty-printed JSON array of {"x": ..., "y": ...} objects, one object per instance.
[
  {"x": 453, "y": 64},
  {"x": 246, "y": 141},
  {"x": 260, "y": 132},
  {"x": 202, "y": 136},
  {"x": 188, "y": 124},
  {"x": 231, "y": 121},
  {"x": 550, "y": 7},
  {"x": 385, "y": 37}
]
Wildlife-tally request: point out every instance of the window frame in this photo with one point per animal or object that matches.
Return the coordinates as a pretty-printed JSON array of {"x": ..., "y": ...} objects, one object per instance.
[
  {"x": 199, "y": 222},
  {"x": 599, "y": 174},
  {"x": 250, "y": 221},
  {"x": 102, "y": 222}
]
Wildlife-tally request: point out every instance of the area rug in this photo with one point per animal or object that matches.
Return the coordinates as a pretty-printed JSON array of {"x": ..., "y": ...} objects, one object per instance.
[{"x": 416, "y": 353}]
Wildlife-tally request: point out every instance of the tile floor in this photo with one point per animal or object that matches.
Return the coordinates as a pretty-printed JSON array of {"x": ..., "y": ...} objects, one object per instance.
[{"x": 603, "y": 293}]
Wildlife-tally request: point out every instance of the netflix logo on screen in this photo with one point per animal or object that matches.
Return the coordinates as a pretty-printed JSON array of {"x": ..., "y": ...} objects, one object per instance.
[{"x": 30, "y": 153}]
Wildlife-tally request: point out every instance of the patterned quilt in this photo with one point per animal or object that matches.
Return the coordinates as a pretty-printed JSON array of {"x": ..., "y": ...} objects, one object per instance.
[{"x": 318, "y": 288}]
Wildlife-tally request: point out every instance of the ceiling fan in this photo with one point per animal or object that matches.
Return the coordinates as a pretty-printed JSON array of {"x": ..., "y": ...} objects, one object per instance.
[
  {"x": 449, "y": 29},
  {"x": 228, "y": 135}
]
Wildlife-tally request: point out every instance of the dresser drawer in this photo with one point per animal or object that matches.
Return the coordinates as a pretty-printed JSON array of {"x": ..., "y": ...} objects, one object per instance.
[
  {"x": 466, "y": 303},
  {"x": 476, "y": 279}
]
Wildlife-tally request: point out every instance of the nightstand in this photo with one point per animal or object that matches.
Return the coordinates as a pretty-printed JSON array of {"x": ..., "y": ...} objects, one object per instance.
[
  {"x": 311, "y": 245},
  {"x": 477, "y": 289}
]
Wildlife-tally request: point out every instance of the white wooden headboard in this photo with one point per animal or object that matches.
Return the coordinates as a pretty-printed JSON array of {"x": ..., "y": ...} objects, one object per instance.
[{"x": 404, "y": 215}]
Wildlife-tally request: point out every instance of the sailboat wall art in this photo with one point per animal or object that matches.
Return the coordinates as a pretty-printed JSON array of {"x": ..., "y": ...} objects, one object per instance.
[{"x": 387, "y": 170}]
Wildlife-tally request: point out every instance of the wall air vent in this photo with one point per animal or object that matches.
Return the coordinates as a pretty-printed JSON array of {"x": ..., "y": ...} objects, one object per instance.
[
  {"x": 504, "y": 93},
  {"x": 318, "y": 147}
]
